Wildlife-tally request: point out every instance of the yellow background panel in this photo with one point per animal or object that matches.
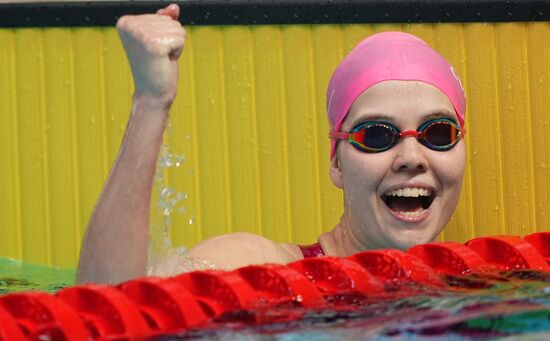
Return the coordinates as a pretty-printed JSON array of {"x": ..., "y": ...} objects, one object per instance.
[
  {"x": 249, "y": 131},
  {"x": 32, "y": 144},
  {"x": 61, "y": 152},
  {"x": 485, "y": 153},
  {"x": 269, "y": 89},
  {"x": 539, "y": 84},
  {"x": 10, "y": 213}
]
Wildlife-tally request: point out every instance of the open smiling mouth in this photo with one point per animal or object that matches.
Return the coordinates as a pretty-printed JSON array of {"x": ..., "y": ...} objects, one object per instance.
[{"x": 409, "y": 202}]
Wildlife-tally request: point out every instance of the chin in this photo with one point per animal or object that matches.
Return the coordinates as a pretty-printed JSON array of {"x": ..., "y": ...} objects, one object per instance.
[{"x": 404, "y": 240}]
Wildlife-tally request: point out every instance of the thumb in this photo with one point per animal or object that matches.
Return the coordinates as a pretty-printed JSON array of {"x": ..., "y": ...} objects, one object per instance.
[{"x": 172, "y": 10}]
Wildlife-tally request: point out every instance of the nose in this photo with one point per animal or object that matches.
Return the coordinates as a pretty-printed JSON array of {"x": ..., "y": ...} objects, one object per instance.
[{"x": 410, "y": 156}]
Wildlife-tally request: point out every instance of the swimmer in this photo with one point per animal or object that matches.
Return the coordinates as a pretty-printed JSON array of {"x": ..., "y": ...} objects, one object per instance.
[{"x": 396, "y": 112}]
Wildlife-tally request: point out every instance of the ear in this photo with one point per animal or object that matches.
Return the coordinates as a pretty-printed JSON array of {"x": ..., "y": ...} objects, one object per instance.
[{"x": 336, "y": 172}]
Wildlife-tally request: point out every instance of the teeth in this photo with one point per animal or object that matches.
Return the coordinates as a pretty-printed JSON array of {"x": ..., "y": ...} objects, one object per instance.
[
  {"x": 412, "y": 214},
  {"x": 410, "y": 192}
]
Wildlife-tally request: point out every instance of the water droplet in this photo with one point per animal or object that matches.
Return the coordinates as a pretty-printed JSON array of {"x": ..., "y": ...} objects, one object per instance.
[{"x": 165, "y": 192}]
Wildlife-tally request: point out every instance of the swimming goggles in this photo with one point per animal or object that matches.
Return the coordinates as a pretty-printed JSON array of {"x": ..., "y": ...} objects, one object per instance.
[{"x": 377, "y": 136}]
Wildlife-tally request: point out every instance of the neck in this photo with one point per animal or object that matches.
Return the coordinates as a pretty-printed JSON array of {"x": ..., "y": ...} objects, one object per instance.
[{"x": 342, "y": 241}]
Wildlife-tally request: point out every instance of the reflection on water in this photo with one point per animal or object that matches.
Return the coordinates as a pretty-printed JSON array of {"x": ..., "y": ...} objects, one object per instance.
[{"x": 511, "y": 306}]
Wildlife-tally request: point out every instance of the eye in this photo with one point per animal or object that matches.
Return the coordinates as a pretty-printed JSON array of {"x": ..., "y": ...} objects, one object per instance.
[
  {"x": 441, "y": 133},
  {"x": 379, "y": 136}
]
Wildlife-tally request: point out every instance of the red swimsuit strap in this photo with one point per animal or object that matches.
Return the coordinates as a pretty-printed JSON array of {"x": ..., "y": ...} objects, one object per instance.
[{"x": 313, "y": 250}]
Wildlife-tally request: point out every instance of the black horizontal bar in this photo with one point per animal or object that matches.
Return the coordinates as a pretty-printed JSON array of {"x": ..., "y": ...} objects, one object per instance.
[{"x": 269, "y": 12}]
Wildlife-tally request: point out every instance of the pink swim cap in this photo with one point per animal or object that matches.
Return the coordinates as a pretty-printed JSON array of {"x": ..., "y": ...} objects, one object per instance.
[{"x": 389, "y": 56}]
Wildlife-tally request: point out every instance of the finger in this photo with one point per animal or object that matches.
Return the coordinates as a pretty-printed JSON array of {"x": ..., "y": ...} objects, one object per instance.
[
  {"x": 177, "y": 48},
  {"x": 171, "y": 45},
  {"x": 172, "y": 11}
]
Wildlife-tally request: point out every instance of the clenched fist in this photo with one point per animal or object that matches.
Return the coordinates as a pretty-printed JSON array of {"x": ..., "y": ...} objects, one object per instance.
[{"x": 153, "y": 44}]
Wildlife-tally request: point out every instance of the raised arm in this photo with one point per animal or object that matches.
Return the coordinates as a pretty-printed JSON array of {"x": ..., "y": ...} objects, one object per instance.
[{"x": 115, "y": 246}]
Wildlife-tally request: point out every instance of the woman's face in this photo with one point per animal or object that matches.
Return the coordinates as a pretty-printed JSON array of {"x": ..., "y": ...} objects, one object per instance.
[{"x": 405, "y": 195}]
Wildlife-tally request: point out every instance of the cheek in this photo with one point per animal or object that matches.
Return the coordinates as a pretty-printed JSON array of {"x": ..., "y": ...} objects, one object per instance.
[
  {"x": 450, "y": 167},
  {"x": 363, "y": 171}
]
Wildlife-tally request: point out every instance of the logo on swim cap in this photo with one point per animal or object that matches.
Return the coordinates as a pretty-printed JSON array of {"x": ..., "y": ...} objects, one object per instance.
[
  {"x": 329, "y": 105},
  {"x": 455, "y": 75}
]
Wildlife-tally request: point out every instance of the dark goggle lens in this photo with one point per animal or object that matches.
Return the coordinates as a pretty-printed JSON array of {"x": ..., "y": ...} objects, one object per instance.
[
  {"x": 441, "y": 134},
  {"x": 379, "y": 136}
]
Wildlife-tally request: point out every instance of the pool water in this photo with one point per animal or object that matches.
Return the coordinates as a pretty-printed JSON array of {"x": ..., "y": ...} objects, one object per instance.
[
  {"x": 511, "y": 306},
  {"x": 20, "y": 276}
]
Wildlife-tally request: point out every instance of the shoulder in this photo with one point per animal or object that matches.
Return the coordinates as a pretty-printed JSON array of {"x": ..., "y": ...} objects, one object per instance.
[{"x": 235, "y": 250}]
